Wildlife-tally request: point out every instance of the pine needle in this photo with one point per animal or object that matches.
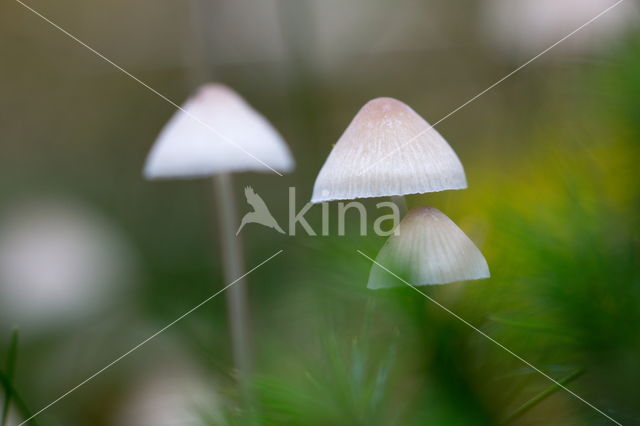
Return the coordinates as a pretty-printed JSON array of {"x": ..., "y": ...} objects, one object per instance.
[{"x": 542, "y": 395}]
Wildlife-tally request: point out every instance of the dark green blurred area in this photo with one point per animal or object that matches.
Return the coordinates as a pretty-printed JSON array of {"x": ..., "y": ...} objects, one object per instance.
[{"x": 553, "y": 203}]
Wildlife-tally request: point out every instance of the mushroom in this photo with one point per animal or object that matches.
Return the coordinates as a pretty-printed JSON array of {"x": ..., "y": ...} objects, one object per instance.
[
  {"x": 428, "y": 249},
  {"x": 215, "y": 134},
  {"x": 388, "y": 150},
  {"x": 216, "y": 131}
]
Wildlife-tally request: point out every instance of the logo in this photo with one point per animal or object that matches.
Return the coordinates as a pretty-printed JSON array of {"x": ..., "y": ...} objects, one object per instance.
[
  {"x": 260, "y": 213},
  {"x": 384, "y": 225}
]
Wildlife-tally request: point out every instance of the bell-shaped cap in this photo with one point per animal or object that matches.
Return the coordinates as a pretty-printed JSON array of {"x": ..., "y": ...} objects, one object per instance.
[
  {"x": 216, "y": 131},
  {"x": 388, "y": 149},
  {"x": 428, "y": 249}
]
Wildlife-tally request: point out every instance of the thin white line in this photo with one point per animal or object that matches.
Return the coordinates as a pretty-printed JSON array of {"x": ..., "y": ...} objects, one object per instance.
[
  {"x": 493, "y": 86},
  {"x": 119, "y": 68},
  {"x": 493, "y": 340},
  {"x": 162, "y": 330}
]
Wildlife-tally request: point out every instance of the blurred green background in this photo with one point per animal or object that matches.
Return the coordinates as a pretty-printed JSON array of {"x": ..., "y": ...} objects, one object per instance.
[{"x": 93, "y": 258}]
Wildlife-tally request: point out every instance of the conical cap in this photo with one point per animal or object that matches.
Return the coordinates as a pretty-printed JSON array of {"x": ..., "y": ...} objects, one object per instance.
[
  {"x": 429, "y": 249},
  {"x": 388, "y": 149},
  {"x": 217, "y": 131}
]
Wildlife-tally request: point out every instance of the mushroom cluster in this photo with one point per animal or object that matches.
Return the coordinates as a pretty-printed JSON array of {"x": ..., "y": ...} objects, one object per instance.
[{"x": 389, "y": 150}]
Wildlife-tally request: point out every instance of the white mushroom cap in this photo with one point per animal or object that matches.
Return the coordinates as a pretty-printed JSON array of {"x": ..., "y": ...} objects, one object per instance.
[
  {"x": 429, "y": 249},
  {"x": 216, "y": 131},
  {"x": 388, "y": 149}
]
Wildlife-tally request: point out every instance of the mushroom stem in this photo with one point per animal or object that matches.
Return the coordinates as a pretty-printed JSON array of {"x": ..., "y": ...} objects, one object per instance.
[
  {"x": 234, "y": 267},
  {"x": 401, "y": 202}
]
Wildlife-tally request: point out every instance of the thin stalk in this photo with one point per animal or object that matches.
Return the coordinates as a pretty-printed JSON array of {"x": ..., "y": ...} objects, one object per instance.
[
  {"x": 233, "y": 261},
  {"x": 199, "y": 71},
  {"x": 542, "y": 395},
  {"x": 232, "y": 252}
]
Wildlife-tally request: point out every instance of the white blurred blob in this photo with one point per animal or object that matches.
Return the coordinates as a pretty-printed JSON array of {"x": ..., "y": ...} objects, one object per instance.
[
  {"x": 176, "y": 394},
  {"x": 59, "y": 262},
  {"x": 524, "y": 28}
]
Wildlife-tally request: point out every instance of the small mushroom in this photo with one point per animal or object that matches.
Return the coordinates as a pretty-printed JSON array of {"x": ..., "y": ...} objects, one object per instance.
[
  {"x": 428, "y": 249},
  {"x": 216, "y": 131},
  {"x": 214, "y": 134},
  {"x": 388, "y": 150}
]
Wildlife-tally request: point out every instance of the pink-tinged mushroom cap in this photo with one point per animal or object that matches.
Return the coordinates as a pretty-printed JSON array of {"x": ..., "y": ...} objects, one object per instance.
[
  {"x": 429, "y": 249},
  {"x": 388, "y": 149}
]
